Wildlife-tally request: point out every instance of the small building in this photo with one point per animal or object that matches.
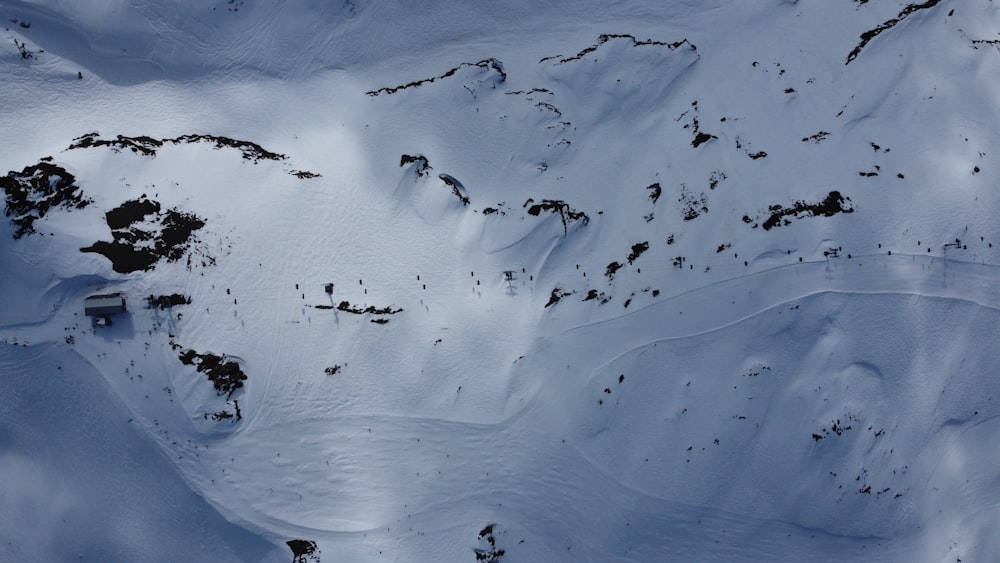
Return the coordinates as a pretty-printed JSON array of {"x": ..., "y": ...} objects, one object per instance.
[{"x": 104, "y": 305}]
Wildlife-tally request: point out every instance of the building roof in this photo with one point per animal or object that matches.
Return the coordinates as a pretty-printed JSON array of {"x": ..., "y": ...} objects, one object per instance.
[{"x": 106, "y": 304}]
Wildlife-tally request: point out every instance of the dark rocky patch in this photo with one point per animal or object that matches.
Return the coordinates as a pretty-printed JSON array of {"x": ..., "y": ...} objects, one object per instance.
[
  {"x": 371, "y": 309},
  {"x": 655, "y": 191},
  {"x": 490, "y": 64},
  {"x": 456, "y": 188},
  {"x": 304, "y": 551},
  {"x": 304, "y": 174},
  {"x": 130, "y": 212},
  {"x": 226, "y": 376},
  {"x": 888, "y": 24},
  {"x": 692, "y": 206},
  {"x": 549, "y": 107},
  {"x": 148, "y": 145},
  {"x": 36, "y": 190},
  {"x": 756, "y": 370},
  {"x": 495, "y": 210},
  {"x": 833, "y": 204},
  {"x": 162, "y": 302},
  {"x": 333, "y": 370},
  {"x": 423, "y": 167},
  {"x": 227, "y": 415},
  {"x": 637, "y": 250},
  {"x": 701, "y": 137},
  {"x": 715, "y": 178},
  {"x": 740, "y": 145},
  {"x": 489, "y": 553},
  {"x": 22, "y": 48},
  {"x": 529, "y": 92},
  {"x": 817, "y": 137},
  {"x": 566, "y": 213},
  {"x": 598, "y": 295},
  {"x": 604, "y": 38},
  {"x": 134, "y": 249},
  {"x": 557, "y": 294},
  {"x": 612, "y": 269},
  {"x": 995, "y": 43}
]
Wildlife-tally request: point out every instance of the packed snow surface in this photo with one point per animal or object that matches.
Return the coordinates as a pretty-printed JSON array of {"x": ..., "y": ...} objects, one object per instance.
[{"x": 517, "y": 281}]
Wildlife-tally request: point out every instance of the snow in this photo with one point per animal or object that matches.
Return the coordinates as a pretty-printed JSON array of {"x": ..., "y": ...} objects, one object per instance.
[{"x": 706, "y": 419}]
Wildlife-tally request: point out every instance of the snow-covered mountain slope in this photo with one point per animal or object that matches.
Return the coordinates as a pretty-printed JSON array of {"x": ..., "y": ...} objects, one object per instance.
[{"x": 501, "y": 282}]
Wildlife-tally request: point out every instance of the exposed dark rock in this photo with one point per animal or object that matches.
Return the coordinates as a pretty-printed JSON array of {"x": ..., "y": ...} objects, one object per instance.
[
  {"x": 134, "y": 249},
  {"x": 701, "y": 137},
  {"x": 715, "y": 178},
  {"x": 22, "y": 48},
  {"x": 817, "y": 137},
  {"x": 166, "y": 301},
  {"x": 692, "y": 205},
  {"x": 456, "y": 188},
  {"x": 833, "y": 204},
  {"x": 557, "y": 294},
  {"x": 637, "y": 250},
  {"x": 566, "y": 213},
  {"x": 304, "y": 551},
  {"x": 889, "y": 24},
  {"x": 604, "y": 38},
  {"x": 423, "y": 167},
  {"x": 130, "y": 212},
  {"x": 995, "y": 43},
  {"x": 348, "y": 308},
  {"x": 37, "y": 190},
  {"x": 490, "y": 64},
  {"x": 148, "y": 145},
  {"x": 612, "y": 269},
  {"x": 226, "y": 376},
  {"x": 489, "y": 552},
  {"x": 655, "y": 191}
]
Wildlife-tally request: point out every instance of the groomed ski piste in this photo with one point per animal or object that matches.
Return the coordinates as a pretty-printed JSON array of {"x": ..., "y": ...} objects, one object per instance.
[{"x": 563, "y": 281}]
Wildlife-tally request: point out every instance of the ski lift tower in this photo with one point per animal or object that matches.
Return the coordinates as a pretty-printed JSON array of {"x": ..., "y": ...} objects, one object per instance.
[{"x": 509, "y": 277}]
